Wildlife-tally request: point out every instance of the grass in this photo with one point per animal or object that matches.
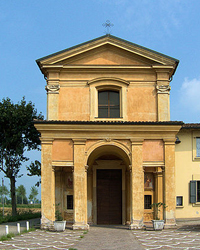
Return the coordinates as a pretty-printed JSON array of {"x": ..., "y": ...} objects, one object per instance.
[
  {"x": 23, "y": 205},
  {"x": 7, "y": 237},
  {"x": 11, "y": 235}
]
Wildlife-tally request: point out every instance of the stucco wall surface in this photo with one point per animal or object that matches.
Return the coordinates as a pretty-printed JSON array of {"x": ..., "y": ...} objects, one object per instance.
[{"x": 186, "y": 169}]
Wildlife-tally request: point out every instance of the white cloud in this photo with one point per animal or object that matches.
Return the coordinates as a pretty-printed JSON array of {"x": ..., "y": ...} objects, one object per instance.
[{"x": 190, "y": 94}]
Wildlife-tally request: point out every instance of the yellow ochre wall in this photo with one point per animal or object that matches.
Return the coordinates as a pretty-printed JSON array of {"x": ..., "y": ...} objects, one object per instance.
[
  {"x": 69, "y": 150},
  {"x": 73, "y": 99}
]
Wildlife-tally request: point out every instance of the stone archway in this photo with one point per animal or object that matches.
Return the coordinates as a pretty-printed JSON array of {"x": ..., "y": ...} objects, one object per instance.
[{"x": 108, "y": 185}]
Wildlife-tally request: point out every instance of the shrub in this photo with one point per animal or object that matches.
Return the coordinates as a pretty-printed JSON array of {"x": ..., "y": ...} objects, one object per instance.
[{"x": 22, "y": 215}]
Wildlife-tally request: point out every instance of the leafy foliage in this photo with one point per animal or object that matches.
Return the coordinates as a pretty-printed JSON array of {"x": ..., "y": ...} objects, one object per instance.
[
  {"x": 17, "y": 134},
  {"x": 3, "y": 192},
  {"x": 58, "y": 214},
  {"x": 33, "y": 194},
  {"x": 21, "y": 193},
  {"x": 156, "y": 209},
  {"x": 35, "y": 169}
]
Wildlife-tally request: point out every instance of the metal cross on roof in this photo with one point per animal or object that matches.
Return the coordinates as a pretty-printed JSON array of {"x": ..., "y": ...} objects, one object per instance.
[{"x": 108, "y": 26}]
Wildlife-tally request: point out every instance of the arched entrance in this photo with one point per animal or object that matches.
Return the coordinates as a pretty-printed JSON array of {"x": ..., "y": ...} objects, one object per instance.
[{"x": 108, "y": 185}]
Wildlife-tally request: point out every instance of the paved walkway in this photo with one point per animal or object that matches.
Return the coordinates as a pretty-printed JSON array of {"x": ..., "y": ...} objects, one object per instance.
[
  {"x": 185, "y": 237},
  {"x": 109, "y": 237}
]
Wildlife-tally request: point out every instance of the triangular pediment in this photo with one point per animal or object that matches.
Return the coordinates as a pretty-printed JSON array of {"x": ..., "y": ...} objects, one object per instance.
[
  {"x": 107, "y": 50},
  {"x": 106, "y": 55}
]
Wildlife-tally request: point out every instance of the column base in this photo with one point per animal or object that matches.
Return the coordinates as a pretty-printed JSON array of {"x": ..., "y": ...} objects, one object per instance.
[
  {"x": 80, "y": 226},
  {"x": 170, "y": 223},
  {"x": 136, "y": 224},
  {"x": 46, "y": 224},
  {"x": 170, "y": 226}
]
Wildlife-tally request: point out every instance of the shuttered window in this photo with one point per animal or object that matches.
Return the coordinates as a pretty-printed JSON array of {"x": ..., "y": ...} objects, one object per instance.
[
  {"x": 193, "y": 192},
  {"x": 198, "y": 191}
]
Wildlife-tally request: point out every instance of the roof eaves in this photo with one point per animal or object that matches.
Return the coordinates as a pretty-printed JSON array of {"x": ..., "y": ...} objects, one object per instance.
[
  {"x": 191, "y": 126},
  {"x": 109, "y": 122}
]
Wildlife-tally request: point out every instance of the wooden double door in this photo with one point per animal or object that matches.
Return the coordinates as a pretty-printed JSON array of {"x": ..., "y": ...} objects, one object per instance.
[{"x": 109, "y": 196}]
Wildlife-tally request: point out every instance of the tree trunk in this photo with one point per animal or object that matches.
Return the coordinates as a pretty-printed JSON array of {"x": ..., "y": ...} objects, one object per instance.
[{"x": 13, "y": 198}]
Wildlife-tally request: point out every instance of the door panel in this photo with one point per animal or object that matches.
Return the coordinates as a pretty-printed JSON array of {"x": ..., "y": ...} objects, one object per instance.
[{"x": 109, "y": 196}]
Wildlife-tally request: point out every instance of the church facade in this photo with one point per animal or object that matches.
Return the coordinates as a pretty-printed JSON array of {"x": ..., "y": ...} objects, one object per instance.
[{"x": 108, "y": 145}]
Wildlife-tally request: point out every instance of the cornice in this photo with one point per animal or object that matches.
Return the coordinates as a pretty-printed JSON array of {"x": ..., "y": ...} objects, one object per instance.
[{"x": 81, "y": 132}]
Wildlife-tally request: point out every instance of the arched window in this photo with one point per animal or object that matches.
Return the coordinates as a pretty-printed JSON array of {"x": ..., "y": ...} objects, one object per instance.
[{"x": 108, "y": 104}]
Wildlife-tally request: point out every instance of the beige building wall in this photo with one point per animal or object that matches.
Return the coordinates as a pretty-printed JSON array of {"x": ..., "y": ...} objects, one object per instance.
[{"x": 187, "y": 169}]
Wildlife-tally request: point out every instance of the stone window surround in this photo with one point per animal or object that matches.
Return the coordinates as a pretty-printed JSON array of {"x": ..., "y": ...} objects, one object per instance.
[
  {"x": 181, "y": 197},
  {"x": 114, "y": 84},
  {"x": 196, "y": 178},
  {"x": 194, "y": 146}
]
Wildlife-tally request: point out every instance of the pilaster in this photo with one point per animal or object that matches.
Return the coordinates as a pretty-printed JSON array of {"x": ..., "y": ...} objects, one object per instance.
[
  {"x": 163, "y": 93},
  {"x": 80, "y": 186},
  {"x": 47, "y": 185},
  {"x": 137, "y": 186},
  {"x": 159, "y": 189},
  {"x": 52, "y": 88},
  {"x": 169, "y": 185}
]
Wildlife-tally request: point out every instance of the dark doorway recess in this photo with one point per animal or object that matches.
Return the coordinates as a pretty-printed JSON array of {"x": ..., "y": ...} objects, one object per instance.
[{"x": 109, "y": 196}]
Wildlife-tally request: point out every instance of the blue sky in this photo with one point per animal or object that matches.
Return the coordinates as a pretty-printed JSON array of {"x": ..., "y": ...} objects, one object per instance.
[{"x": 33, "y": 29}]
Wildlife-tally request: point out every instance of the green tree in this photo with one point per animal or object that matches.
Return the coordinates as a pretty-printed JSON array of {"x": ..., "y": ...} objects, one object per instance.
[
  {"x": 33, "y": 194},
  {"x": 21, "y": 192},
  {"x": 17, "y": 135},
  {"x": 35, "y": 169},
  {"x": 3, "y": 192}
]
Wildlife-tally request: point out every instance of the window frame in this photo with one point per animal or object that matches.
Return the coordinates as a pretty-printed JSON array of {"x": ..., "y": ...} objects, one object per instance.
[
  {"x": 194, "y": 192},
  {"x": 149, "y": 195},
  {"x": 196, "y": 156},
  {"x": 197, "y": 151},
  {"x": 109, "y": 106},
  {"x": 71, "y": 197},
  {"x": 104, "y": 84},
  {"x": 177, "y": 205}
]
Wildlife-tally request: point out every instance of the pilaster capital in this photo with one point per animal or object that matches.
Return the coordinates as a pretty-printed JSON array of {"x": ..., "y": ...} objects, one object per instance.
[
  {"x": 79, "y": 141},
  {"x": 159, "y": 171},
  {"x": 135, "y": 142},
  {"x": 163, "y": 89},
  {"x": 169, "y": 141},
  {"x": 130, "y": 168},
  {"x": 46, "y": 141},
  {"x": 52, "y": 89}
]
